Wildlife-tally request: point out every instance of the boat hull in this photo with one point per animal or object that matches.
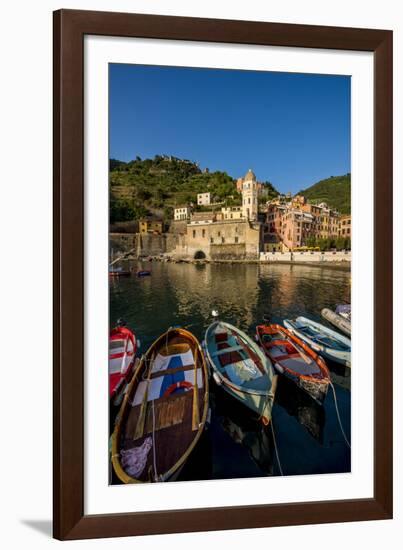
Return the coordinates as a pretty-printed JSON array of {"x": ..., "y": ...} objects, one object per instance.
[
  {"x": 261, "y": 404},
  {"x": 316, "y": 390},
  {"x": 119, "y": 273}
]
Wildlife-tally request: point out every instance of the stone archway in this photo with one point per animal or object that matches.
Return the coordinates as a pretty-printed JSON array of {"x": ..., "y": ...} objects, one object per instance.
[{"x": 199, "y": 255}]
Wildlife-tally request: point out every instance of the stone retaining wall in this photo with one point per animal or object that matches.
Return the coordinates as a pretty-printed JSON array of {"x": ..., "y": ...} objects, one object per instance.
[{"x": 305, "y": 257}]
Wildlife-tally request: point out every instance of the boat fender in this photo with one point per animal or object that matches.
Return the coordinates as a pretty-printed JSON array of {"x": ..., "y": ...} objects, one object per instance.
[
  {"x": 176, "y": 385},
  {"x": 217, "y": 379}
]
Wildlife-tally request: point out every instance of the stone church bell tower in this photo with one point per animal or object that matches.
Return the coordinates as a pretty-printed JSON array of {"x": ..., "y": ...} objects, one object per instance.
[{"x": 249, "y": 196}]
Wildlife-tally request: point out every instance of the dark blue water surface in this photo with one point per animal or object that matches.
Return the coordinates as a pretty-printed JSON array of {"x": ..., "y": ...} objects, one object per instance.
[{"x": 308, "y": 436}]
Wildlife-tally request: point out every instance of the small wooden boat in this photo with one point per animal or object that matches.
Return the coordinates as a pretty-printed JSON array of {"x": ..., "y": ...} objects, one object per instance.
[
  {"x": 123, "y": 346},
  {"x": 119, "y": 272},
  {"x": 337, "y": 320},
  {"x": 143, "y": 273},
  {"x": 164, "y": 411},
  {"x": 295, "y": 360},
  {"x": 241, "y": 368},
  {"x": 325, "y": 341}
]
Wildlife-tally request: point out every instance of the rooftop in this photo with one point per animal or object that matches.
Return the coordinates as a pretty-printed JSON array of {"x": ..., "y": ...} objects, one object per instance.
[
  {"x": 250, "y": 175},
  {"x": 150, "y": 219}
]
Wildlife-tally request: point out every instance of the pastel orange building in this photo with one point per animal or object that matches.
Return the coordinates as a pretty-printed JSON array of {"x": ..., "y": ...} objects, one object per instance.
[{"x": 295, "y": 220}]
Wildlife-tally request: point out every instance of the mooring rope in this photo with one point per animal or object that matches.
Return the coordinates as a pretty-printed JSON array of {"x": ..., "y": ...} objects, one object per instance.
[
  {"x": 338, "y": 416},
  {"x": 154, "y": 449},
  {"x": 275, "y": 448}
]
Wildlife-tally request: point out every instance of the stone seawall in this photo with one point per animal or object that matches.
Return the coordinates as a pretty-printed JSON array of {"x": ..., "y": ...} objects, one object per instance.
[
  {"x": 227, "y": 251},
  {"x": 143, "y": 244},
  {"x": 306, "y": 257},
  {"x": 121, "y": 243},
  {"x": 176, "y": 245}
]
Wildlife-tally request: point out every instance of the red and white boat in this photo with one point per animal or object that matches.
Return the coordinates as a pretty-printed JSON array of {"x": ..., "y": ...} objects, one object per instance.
[
  {"x": 123, "y": 346},
  {"x": 294, "y": 359}
]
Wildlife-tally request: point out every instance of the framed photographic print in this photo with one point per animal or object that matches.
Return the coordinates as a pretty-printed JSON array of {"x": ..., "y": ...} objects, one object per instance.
[{"x": 222, "y": 274}]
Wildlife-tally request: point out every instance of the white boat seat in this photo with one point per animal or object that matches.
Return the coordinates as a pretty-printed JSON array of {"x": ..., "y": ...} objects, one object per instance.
[{"x": 226, "y": 350}]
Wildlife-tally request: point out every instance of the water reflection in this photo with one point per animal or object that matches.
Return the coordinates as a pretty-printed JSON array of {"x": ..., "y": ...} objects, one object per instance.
[
  {"x": 308, "y": 413},
  {"x": 245, "y": 430},
  {"x": 186, "y": 293}
]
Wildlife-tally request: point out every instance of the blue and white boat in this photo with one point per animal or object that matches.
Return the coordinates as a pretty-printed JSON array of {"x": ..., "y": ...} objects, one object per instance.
[{"x": 323, "y": 340}]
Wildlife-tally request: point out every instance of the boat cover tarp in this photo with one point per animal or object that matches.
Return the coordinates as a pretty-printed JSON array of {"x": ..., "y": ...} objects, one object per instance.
[
  {"x": 164, "y": 362},
  {"x": 242, "y": 371},
  {"x": 300, "y": 366},
  {"x": 343, "y": 308},
  {"x": 157, "y": 386}
]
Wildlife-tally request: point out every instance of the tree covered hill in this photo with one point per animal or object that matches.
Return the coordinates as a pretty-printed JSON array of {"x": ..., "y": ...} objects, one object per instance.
[
  {"x": 155, "y": 186},
  {"x": 335, "y": 191}
]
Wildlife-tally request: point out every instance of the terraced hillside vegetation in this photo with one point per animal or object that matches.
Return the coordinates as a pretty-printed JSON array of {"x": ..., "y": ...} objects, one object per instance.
[
  {"x": 335, "y": 191},
  {"x": 155, "y": 186}
]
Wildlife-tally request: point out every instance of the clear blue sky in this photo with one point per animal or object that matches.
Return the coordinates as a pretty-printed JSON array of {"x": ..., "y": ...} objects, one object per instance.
[{"x": 291, "y": 129}]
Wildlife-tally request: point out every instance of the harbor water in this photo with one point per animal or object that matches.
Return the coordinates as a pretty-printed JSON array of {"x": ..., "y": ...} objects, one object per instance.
[{"x": 234, "y": 445}]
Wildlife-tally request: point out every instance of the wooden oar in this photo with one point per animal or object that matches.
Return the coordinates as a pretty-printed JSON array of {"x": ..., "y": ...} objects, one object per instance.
[
  {"x": 139, "y": 431},
  {"x": 195, "y": 408}
]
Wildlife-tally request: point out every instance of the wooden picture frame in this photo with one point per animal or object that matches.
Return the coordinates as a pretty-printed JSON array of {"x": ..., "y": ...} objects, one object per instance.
[{"x": 70, "y": 27}]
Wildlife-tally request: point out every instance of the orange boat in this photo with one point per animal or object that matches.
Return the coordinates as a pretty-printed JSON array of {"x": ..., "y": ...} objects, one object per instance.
[{"x": 295, "y": 360}]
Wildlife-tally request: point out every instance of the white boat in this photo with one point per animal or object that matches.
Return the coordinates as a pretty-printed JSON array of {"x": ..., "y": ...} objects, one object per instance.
[
  {"x": 241, "y": 368},
  {"x": 337, "y": 320},
  {"x": 323, "y": 340}
]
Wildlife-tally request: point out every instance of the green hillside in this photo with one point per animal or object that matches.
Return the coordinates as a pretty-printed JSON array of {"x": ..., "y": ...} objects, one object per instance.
[
  {"x": 155, "y": 186},
  {"x": 335, "y": 191}
]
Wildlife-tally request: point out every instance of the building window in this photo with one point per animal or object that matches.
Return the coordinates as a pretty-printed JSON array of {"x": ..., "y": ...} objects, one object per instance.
[
  {"x": 236, "y": 240},
  {"x": 203, "y": 233},
  {"x": 194, "y": 233},
  {"x": 219, "y": 233},
  {"x": 211, "y": 240},
  {"x": 222, "y": 240}
]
